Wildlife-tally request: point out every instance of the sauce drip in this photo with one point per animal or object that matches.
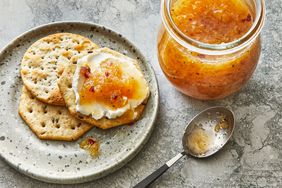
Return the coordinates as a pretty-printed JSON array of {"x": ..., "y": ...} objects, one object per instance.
[
  {"x": 91, "y": 145},
  {"x": 223, "y": 124},
  {"x": 199, "y": 141}
]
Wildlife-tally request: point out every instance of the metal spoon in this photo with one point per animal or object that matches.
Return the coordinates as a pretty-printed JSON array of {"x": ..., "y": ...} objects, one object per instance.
[{"x": 205, "y": 135}]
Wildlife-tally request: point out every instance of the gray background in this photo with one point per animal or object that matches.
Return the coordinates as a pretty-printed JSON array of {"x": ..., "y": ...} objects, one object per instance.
[{"x": 253, "y": 158}]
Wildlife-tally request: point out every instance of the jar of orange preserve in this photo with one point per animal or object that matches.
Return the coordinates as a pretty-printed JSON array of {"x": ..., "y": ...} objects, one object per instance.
[{"x": 208, "y": 49}]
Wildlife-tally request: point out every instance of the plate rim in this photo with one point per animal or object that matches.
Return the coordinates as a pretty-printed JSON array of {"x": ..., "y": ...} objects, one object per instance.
[{"x": 118, "y": 164}]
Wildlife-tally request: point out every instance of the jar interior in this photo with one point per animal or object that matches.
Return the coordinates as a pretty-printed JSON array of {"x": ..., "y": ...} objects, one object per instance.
[
  {"x": 211, "y": 21},
  {"x": 257, "y": 10}
]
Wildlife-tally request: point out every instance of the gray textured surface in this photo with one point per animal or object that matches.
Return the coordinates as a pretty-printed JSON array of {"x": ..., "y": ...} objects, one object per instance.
[{"x": 254, "y": 156}]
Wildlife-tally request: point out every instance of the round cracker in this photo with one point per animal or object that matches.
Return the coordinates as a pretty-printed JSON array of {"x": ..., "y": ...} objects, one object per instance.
[
  {"x": 65, "y": 85},
  {"x": 44, "y": 62},
  {"x": 50, "y": 122}
]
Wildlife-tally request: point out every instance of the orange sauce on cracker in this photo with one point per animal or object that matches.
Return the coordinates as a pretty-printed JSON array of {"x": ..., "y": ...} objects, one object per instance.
[{"x": 109, "y": 86}]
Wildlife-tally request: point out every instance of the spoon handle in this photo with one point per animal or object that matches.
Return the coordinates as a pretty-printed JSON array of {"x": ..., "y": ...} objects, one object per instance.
[{"x": 152, "y": 177}]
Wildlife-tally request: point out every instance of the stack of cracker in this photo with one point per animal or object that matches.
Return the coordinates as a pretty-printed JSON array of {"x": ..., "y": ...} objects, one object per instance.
[{"x": 41, "y": 105}]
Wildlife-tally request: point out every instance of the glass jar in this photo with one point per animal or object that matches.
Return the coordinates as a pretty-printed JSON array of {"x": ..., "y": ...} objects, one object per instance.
[{"x": 209, "y": 71}]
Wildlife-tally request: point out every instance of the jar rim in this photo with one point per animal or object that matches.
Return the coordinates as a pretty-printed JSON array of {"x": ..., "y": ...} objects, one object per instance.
[{"x": 214, "y": 49}]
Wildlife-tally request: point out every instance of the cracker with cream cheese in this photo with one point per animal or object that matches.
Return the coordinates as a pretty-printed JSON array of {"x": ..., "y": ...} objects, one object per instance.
[{"x": 68, "y": 91}]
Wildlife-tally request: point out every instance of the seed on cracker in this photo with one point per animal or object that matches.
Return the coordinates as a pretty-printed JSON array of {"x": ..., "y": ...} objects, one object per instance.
[
  {"x": 50, "y": 122},
  {"x": 44, "y": 62}
]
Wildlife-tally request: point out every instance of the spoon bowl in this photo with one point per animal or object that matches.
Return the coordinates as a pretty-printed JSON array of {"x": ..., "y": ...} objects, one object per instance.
[{"x": 208, "y": 132}]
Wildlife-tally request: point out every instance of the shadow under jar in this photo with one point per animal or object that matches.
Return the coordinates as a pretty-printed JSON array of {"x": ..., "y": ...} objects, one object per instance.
[{"x": 208, "y": 49}]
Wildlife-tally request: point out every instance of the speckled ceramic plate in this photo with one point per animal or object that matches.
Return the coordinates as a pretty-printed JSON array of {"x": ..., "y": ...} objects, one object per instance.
[{"x": 63, "y": 162}]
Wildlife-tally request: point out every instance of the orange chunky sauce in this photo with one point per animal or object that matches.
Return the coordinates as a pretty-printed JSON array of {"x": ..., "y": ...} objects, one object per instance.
[
  {"x": 210, "y": 21},
  {"x": 108, "y": 86}
]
